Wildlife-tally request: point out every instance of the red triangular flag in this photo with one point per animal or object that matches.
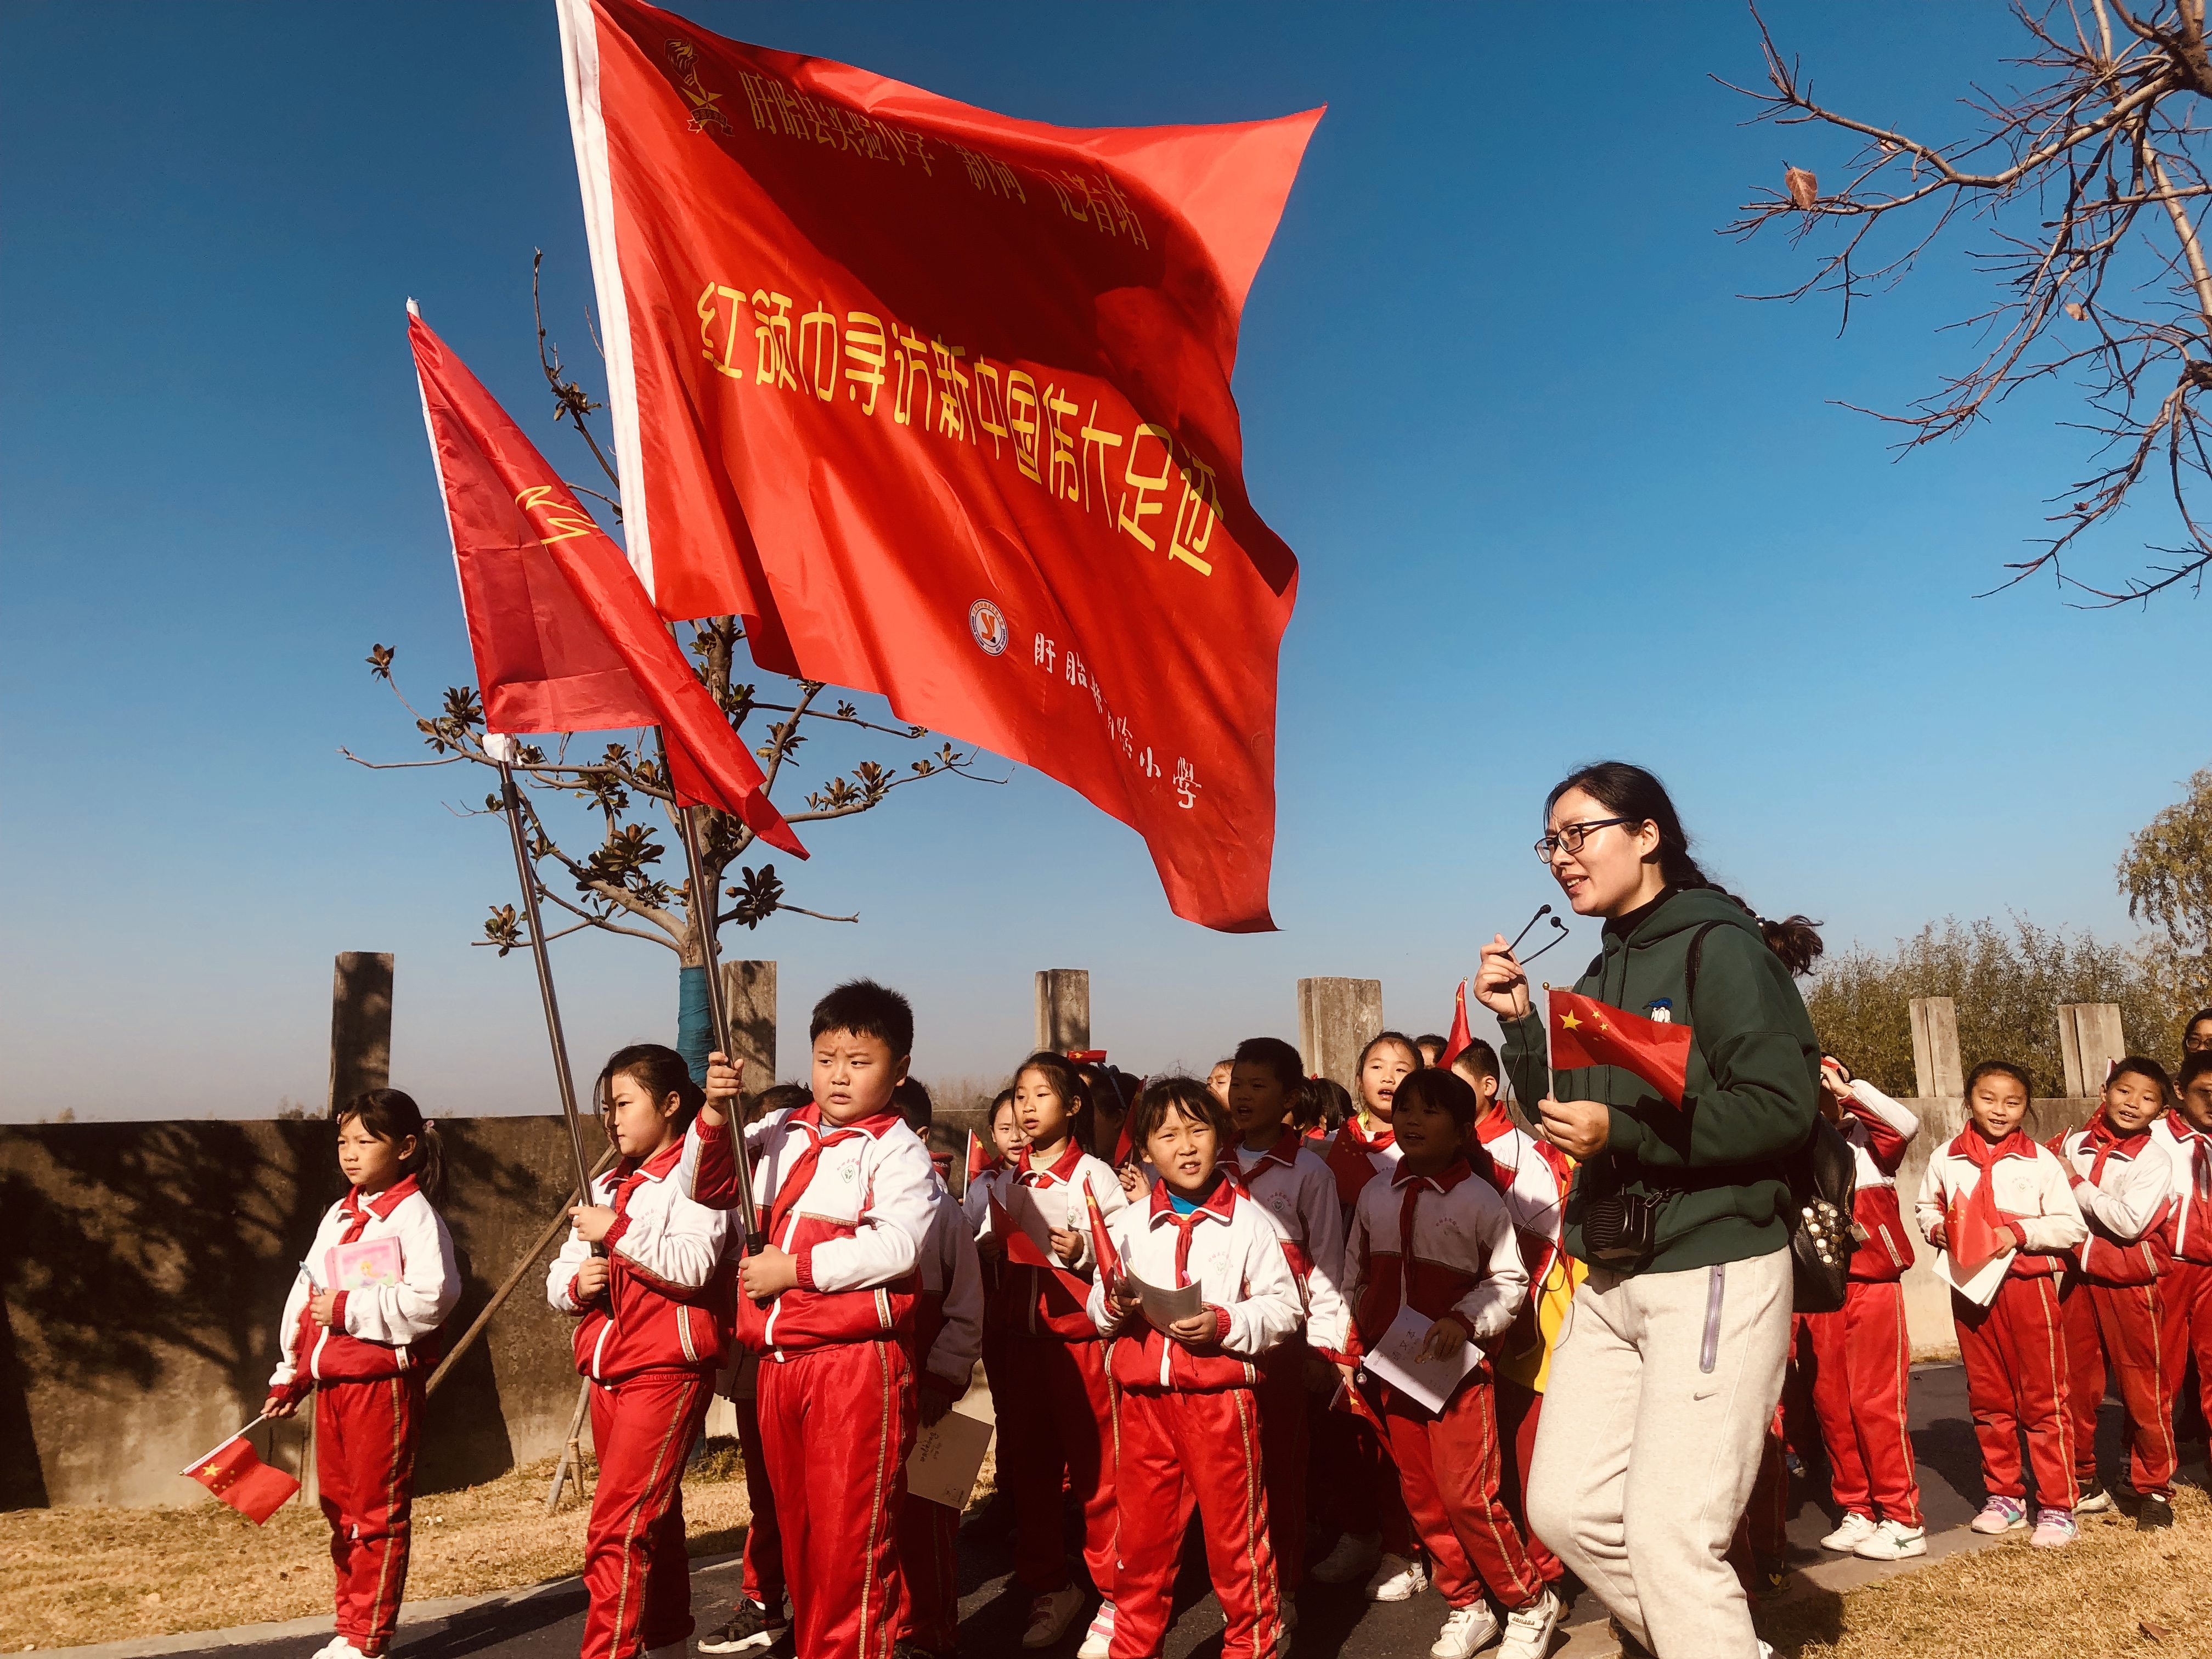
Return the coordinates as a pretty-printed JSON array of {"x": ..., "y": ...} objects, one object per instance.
[
  {"x": 1020, "y": 1247},
  {"x": 939, "y": 401},
  {"x": 235, "y": 1472},
  {"x": 1460, "y": 1037},
  {"x": 564, "y": 637},
  {"x": 979, "y": 1159},
  {"x": 1588, "y": 1032},
  {"x": 1974, "y": 1231},
  {"x": 1102, "y": 1242}
]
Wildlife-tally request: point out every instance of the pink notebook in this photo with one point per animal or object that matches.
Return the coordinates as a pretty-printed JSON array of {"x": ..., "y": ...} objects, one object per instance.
[{"x": 365, "y": 1266}]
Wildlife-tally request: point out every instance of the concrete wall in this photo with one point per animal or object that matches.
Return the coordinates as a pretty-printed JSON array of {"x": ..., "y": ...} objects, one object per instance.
[{"x": 144, "y": 1265}]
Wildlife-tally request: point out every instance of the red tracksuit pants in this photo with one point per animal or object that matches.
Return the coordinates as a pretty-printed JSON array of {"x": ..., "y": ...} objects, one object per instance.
[
  {"x": 2114, "y": 1330},
  {"x": 1861, "y": 1364},
  {"x": 635, "y": 1571},
  {"x": 2185, "y": 1293},
  {"x": 365, "y": 1471},
  {"x": 837, "y": 1424},
  {"x": 1056, "y": 1427},
  {"x": 1173, "y": 1450},
  {"x": 763, "y": 1582},
  {"x": 2016, "y": 1355},
  {"x": 1285, "y": 1445},
  {"x": 1449, "y": 1467},
  {"x": 1519, "y": 1410},
  {"x": 927, "y": 1533}
]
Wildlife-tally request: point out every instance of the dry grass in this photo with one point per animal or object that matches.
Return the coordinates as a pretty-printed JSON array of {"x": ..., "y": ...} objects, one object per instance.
[
  {"x": 2088, "y": 1601},
  {"x": 96, "y": 1574}
]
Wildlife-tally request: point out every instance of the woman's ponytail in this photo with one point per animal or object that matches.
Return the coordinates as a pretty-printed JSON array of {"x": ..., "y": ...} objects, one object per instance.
[{"x": 390, "y": 1114}]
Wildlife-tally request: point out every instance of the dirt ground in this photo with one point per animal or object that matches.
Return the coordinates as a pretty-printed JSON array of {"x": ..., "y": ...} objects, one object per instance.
[{"x": 2112, "y": 1591}]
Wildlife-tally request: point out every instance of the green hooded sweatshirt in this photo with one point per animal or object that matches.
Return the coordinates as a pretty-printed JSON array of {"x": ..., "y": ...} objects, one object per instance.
[{"x": 1751, "y": 1097}]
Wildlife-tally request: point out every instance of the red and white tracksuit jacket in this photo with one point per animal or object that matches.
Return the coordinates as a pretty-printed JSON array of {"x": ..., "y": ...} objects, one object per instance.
[
  {"x": 1056, "y": 1419},
  {"x": 366, "y": 1369},
  {"x": 1356, "y": 1157},
  {"x": 1445, "y": 1246},
  {"x": 948, "y": 1340},
  {"x": 851, "y": 1203},
  {"x": 1298, "y": 1188},
  {"x": 2011, "y": 1333},
  {"x": 2112, "y": 1306},
  {"x": 2184, "y": 1242},
  {"x": 1533, "y": 1178},
  {"x": 651, "y": 1343},
  {"x": 1187, "y": 1424},
  {"x": 1862, "y": 1356}
]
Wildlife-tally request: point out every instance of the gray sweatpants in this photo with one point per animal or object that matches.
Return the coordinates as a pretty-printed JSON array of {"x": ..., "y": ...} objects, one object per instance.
[{"x": 1661, "y": 1391}]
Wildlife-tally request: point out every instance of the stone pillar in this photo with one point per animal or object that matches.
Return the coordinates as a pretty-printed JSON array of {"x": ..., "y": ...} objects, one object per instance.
[
  {"x": 2089, "y": 1040},
  {"x": 1336, "y": 1019},
  {"x": 360, "y": 1024},
  {"x": 1063, "y": 1009},
  {"x": 1936, "y": 1072},
  {"x": 749, "y": 1003}
]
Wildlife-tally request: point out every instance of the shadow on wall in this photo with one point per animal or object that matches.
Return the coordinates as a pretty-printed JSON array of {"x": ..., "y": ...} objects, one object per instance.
[{"x": 144, "y": 1267}]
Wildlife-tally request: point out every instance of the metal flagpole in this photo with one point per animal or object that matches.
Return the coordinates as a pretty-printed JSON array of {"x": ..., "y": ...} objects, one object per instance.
[
  {"x": 523, "y": 869},
  {"x": 704, "y": 905}
]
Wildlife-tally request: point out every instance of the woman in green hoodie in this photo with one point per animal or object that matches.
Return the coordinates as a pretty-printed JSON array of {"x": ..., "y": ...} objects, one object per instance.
[{"x": 1671, "y": 1361}]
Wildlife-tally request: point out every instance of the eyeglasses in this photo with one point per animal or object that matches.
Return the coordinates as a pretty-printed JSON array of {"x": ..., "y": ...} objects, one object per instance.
[
  {"x": 2194, "y": 1041},
  {"x": 1572, "y": 836}
]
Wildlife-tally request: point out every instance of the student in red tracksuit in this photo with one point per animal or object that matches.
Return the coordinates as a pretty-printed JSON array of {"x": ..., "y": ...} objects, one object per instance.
[
  {"x": 761, "y": 1615},
  {"x": 948, "y": 1340},
  {"x": 1436, "y": 1241},
  {"x": 1377, "y": 1545},
  {"x": 1861, "y": 1358},
  {"x": 1533, "y": 1177},
  {"x": 1297, "y": 1189},
  {"x": 1055, "y": 1416},
  {"x": 641, "y": 1274},
  {"x": 1187, "y": 1428},
  {"x": 360, "y": 1334},
  {"x": 2002, "y": 1211},
  {"x": 843, "y": 1193},
  {"x": 2122, "y": 1178},
  {"x": 2185, "y": 1238}
]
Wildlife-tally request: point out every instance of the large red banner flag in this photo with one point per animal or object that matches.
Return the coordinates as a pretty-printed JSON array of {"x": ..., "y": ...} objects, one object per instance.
[
  {"x": 564, "y": 638},
  {"x": 939, "y": 401}
]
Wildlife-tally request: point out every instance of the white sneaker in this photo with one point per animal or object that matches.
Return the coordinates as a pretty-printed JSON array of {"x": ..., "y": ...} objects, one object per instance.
[
  {"x": 331, "y": 1648},
  {"x": 1397, "y": 1579},
  {"x": 1892, "y": 1541},
  {"x": 1098, "y": 1640},
  {"x": 1466, "y": 1629},
  {"x": 1351, "y": 1560},
  {"x": 1854, "y": 1531},
  {"x": 1051, "y": 1615},
  {"x": 1529, "y": 1632}
]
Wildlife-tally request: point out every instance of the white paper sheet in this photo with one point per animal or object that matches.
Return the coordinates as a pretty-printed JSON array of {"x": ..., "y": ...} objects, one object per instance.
[
  {"x": 1165, "y": 1307},
  {"x": 1980, "y": 1286},
  {"x": 947, "y": 1456},
  {"x": 1429, "y": 1381}
]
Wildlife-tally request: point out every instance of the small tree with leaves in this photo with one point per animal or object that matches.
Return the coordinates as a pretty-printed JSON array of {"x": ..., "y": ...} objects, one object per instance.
[
  {"x": 599, "y": 827},
  {"x": 2166, "y": 874},
  {"x": 2088, "y": 178}
]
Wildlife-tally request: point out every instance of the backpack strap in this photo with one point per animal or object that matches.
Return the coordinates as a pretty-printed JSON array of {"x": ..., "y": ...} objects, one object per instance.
[{"x": 1690, "y": 969}]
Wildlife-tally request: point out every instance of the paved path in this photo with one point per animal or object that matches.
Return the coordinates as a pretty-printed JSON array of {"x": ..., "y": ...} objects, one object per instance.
[{"x": 546, "y": 1622}]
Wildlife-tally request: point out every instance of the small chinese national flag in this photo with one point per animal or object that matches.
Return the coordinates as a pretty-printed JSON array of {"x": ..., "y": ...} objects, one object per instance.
[
  {"x": 1460, "y": 1036},
  {"x": 1588, "y": 1032},
  {"x": 236, "y": 1475},
  {"x": 979, "y": 1159}
]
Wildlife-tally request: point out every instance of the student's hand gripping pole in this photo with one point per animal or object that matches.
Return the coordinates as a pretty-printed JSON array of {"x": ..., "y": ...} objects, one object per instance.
[
  {"x": 526, "y": 871},
  {"x": 703, "y": 905}
]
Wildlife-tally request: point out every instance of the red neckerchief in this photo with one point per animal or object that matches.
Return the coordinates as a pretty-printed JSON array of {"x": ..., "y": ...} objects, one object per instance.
[
  {"x": 1285, "y": 1151},
  {"x": 2198, "y": 1147},
  {"x": 1220, "y": 1203},
  {"x": 630, "y": 1174},
  {"x": 794, "y": 1185},
  {"x": 2106, "y": 1137},
  {"x": 358, "y": 1213},
  {"x": 1062, "y": 1172},
  {"x": 1414, "y": 1186},
  {"x": 1982, "y": 1152},
  {"x": 1381, "y": 1139}
]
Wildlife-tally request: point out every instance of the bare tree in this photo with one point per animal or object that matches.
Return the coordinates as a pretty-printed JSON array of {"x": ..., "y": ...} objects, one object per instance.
[
  {"x": 2086, "y": 177},
  {"x": 608, "y": 876}
]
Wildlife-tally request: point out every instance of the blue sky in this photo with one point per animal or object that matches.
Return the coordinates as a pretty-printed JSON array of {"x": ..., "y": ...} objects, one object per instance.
[{"x": 1557, "y": 492}]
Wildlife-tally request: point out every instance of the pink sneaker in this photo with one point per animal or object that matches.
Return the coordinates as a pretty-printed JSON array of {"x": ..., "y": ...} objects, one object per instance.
[
  {"x": 2001, "y": 1515},
  {"x": 2054, "y": 1529}
]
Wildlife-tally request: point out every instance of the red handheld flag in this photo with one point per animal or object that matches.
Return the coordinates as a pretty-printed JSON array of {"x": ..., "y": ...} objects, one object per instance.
[
  {"x": 1460, "y": 1036},
  {"x": 565, "y": 639},
  {"x": 1588, "y": 1032},
  {"x": 1101, "y": 1243},
  {"x": 235, "y": 1472},
  {"x": 1975, "y": 1232},
  {"x": 979, "y": 1159},
  {"x": 1021, "y": 1248},
  {"x": 939, "y": 401}
]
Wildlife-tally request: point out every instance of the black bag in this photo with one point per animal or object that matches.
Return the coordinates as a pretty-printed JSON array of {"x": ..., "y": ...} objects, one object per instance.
[{"x": 1824, "y": 1181}]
